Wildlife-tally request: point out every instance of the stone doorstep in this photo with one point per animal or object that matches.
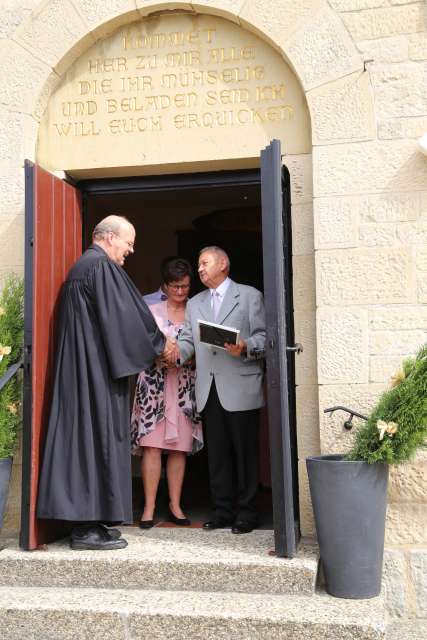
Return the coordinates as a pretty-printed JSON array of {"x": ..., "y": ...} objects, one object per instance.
[
  {"x": 179, "y": 559},
  {"x": 80, "y": 614}
]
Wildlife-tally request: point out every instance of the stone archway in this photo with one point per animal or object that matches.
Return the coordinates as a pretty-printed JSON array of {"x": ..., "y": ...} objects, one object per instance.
[{"x": 311, "y": 38}]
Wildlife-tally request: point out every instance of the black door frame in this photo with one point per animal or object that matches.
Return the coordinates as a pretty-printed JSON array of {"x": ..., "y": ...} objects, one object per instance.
[
  {"x": 221, "y": 179},
  {"x": 277, "y": 258}
]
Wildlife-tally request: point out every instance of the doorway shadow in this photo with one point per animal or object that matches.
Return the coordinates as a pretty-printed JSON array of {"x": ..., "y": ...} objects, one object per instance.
[{"x": 174, "y": 221}]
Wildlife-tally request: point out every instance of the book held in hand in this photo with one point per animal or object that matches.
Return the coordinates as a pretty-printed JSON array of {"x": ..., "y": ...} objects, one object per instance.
[{"x": 217, "y": 334}]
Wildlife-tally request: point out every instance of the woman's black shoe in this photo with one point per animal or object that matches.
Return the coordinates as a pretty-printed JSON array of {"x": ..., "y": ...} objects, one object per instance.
[
  {"x": 182, "y": 522},
  {"x": 146, "y": 524}
]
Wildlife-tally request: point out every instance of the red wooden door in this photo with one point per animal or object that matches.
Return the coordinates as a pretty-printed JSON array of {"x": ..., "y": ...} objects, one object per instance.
[{"x": 53, "y": 242}]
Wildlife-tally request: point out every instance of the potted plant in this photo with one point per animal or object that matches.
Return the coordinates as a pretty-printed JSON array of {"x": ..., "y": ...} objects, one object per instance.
[
  {"x": 11, "y": 345},
  {"x": 349, "y": 491}
]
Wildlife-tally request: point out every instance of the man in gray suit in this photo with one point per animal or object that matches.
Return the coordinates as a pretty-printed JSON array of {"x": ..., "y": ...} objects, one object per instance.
[{"x": 228, "y": 389}]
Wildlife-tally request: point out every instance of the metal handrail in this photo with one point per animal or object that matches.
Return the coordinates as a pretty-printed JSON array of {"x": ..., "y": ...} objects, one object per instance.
[
  {"x": 348, "y": 424},
  {"x": 10, "y": 372}
]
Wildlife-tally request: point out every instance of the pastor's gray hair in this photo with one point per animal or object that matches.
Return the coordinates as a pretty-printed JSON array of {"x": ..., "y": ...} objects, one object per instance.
[
  {"x": 110, "y": 224},
  {"x": 219, "y": 253}
]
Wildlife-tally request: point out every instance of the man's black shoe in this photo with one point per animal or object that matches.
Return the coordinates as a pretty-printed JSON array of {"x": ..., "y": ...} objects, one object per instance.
[
  {"x": 83, "y": 529},
  {"x": 94, "y": 538},
  {"x": 241, "y": 526},
  {"x": 114, "y": 534},
  {"x": 216, "y": 524}
]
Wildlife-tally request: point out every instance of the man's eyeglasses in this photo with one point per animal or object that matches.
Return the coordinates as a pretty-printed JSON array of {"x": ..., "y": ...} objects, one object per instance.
[
  {"x": 129, "y": 244},
  {"x": 178, "y": 287}
]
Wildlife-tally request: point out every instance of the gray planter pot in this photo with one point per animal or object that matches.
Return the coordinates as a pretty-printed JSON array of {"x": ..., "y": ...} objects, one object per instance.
[
  {"x": 349, "y": 502},
  {"x": 5, "y": 471}
]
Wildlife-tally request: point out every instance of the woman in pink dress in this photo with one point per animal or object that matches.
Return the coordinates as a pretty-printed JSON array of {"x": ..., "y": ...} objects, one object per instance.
[{"x": 164, "y": 417}]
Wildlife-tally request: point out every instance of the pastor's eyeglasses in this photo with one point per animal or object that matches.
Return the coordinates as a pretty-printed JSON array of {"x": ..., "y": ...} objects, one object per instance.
[{"x": 129, "y": 244}]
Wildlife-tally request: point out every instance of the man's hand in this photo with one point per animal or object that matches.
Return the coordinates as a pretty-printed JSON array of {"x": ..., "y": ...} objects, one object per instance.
[
  {"x": 171, "y": 353},
  {"x": 236, "y": 349}
]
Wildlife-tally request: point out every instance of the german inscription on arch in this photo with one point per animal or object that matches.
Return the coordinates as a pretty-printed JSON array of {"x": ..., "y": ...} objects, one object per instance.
[{"x": 172, "y": 89}]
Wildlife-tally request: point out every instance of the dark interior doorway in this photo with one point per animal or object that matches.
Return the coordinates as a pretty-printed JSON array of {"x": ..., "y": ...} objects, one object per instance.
[{"x": 180, "y": 219}]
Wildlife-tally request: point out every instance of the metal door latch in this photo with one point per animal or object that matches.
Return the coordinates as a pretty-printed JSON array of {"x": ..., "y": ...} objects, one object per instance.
[{"x": 298, "y": 348}]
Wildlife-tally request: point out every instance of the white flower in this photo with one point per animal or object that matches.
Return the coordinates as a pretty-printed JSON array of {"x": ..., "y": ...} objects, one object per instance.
[
  {"x": 4, "y": 350},
  {"x": 397, "y": 377},
  {"x": 386, "y": 427},
  {"x": 382, "y": 428},
  {"x": 392, "y": 428}
]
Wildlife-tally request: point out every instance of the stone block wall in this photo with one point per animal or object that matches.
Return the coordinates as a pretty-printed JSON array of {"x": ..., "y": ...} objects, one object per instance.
[
  {"x": 371, "y": 241},
  {"x": 405, "y": 585},
  {"x": 304, "y": 292},
  {"x": 370, "y": 238}
]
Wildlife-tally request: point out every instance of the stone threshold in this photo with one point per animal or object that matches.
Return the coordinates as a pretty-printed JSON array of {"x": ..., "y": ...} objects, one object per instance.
[{"x": 182, "y": 559}]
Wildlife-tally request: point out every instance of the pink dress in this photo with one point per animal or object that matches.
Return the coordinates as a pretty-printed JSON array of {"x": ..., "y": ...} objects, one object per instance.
[{"x": 164, "y": 413}]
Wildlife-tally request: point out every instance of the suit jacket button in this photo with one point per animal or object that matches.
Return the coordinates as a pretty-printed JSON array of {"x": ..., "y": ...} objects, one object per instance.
[{"x": 214, "y": 353}]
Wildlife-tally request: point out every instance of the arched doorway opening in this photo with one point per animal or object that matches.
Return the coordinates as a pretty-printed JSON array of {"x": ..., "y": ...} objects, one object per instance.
[{"x": 217, "y": 150}]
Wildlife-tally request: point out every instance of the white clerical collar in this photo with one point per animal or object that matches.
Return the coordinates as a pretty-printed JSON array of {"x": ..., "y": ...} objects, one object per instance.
[{"x": 222, "y": 288}]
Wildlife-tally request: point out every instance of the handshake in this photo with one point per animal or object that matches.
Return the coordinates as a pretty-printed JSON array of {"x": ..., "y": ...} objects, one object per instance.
[{"x": 171, "y": 353}]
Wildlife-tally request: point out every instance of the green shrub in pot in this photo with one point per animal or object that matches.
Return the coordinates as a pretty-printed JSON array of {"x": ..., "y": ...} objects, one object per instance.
[{"x": 11, "y": 346}]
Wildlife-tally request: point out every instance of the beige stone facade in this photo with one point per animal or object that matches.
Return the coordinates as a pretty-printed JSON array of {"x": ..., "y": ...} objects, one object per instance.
[{"x": 355, "y": 103}]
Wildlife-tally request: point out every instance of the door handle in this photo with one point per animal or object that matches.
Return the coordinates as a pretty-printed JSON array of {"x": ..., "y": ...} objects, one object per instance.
[{"x": 298, "y": 348}]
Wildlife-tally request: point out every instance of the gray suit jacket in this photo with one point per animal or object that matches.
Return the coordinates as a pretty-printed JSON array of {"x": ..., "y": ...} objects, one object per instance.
[{"x": 238, "y": 379}]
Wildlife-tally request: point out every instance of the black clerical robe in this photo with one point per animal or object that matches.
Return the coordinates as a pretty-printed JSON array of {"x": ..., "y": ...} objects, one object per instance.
[{"x": 105, "y": 333}]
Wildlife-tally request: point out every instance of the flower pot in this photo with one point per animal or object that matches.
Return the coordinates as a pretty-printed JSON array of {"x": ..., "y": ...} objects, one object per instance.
[
  {"x": 5, "y": 471},
  {"x": 349, "y": 502}
]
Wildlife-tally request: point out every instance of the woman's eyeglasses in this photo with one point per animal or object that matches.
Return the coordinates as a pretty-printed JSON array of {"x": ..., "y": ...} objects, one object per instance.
[{"x": 178, "y": 287}]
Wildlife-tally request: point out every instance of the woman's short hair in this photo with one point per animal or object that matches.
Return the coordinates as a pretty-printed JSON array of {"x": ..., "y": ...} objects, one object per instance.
[{"x": 174, "y": 269}]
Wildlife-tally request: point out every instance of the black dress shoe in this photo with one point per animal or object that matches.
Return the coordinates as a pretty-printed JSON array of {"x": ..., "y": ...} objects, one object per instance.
[
  {"x": 182, "y": 522},
  {"x": 146, "y": 524},
  {"x": 216, "y": 524},
  {"x": 241, "y": 526},
  {"x": 94, "y": 539},
  {"x": 114, "y": 534}
]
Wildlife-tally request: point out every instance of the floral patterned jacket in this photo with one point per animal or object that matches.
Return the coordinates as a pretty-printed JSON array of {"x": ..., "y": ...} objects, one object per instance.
[{"x": 149, "y": 402}]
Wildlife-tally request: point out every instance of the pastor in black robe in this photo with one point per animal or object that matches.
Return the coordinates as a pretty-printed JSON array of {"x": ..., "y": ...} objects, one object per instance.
[{"x": 105, "y": 333}]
